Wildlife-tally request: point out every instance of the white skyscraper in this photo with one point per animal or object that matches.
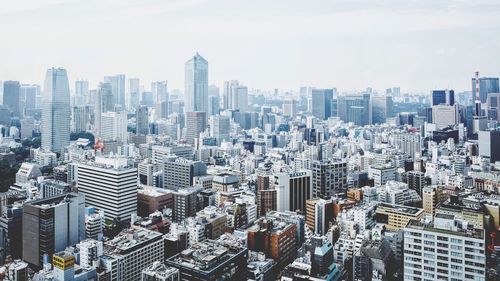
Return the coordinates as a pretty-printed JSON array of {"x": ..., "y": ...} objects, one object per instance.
[
  {"x": 81, "y": 92},
  {"x": 56, "y": 110},
  {"x": 196, "y": 84},
  {"x": 103, "y": 103},
  {"x": 134, "y": 92}
]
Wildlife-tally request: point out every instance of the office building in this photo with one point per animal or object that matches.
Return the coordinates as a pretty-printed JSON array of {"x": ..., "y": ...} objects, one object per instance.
[
  {"x": 220, "y": 128},
  {"x": 185, "y": 203},
  {"x": 81, "y": 119},
  {"x": 292, "y": 190},
  {"x": 52, "y": 224},
  {"x": 129, "y": 253},
  {"x": 81, "y": 93},
  {"x": 329, "y": 178},
  {"x": 409, "y": 143},
  {"x": 109, "y": 184},
  {"x": 290, "y": 108},
  {"x": 319, "y": 215},
  {"x": 180, "y": 172},
  {"x": 11, "y": 96},
  {"x": 151, "y": 199},
  {"x": 443, "y": 97},
  {"x": 196, "y": 84},
  {"x": 381, "y": 174},
  {"x": 142, "y": 120},
  {"x": 382, "y": 108},
  {"x": 117, "y": 83},
  {"x": 445, "y": 115},
  {"x": 211, "y": 260},
  {"x": 486, "y": 85},
  {"x": 355, "y": 109},
  {"x": 11, "y": 232},
  {"x": 28, "y": 95},
  {"x": 445, "y": 249},
  {"x": 396, "y": 217},
  {"x": 432, "y": 196},
  {"x": 488, "y": 145},
  {"x": 276, "y": 240},
  {"x": 493, "y": 106},
  {"x": 103, "y": 104},
  {"x": 56, "y": 111},
  {"x": 322, "y": 103},
  {"x": 114, "y": 126},
  {"x": 196, "y": 122}
]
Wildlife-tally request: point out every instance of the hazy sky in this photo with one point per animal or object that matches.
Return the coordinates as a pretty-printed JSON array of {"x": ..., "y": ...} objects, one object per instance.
[{"x": 417, "y": 45}]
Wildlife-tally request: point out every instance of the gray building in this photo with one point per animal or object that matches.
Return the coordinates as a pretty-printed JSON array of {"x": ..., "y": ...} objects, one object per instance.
[
  {"x": 329, "y": 178},
  {"x": 52, "y": 224},
  {"x": 11, "y": 96},
  {"x": 196, "y": 84},
  {"x": 355, "y": 109},
  {"x": 141, "y": 120},
  {"x": 488, "y": 144},
  {"x": 196, "y": 122},
  {"x": 486, "y": 85},
  {"x": 322, "y": 103},
  {"x": 382, "y": 108},
  {"x": 180, "y": 173}
]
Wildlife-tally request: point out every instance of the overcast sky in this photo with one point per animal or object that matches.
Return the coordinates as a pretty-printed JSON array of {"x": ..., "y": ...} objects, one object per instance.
[{"x": 353, "y": 44}]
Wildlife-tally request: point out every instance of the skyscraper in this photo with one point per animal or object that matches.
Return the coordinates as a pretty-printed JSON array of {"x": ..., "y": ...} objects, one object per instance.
[
  {"x": 81, "y": 92},
  {"x": 220, "y": 128},
  {"x": 322, "y": 103},
  {"x": 382, "y": 108},
  {"x": 142, "y": 121},
  {"x": 81, "y": 118},
  {"x": 28, "y": 98},
  {"x": 104, "y": 103},
  {"x": 355, "y": 108},
  {"x": 195, "y": 124},
  {"x": 11, "y": 96},
  {"x": 118, "y": 88},
  {"x": 56, "y": 111},
  {"x": 134, "y": 92},
  {"x": 486, "y": 85},
  {"x": 196, "y": 84},
  {"x": 446, "y": 97}
]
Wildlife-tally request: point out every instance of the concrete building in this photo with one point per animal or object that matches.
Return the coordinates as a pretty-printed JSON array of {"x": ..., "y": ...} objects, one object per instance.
[
  {"x": 160, "y": 272},
  {"x": 179, "y": 173},
  {"x": 329, "y": 178},
  {"x": 443, "y": 250},
  {"x": 292, "y": 190},
  {"x": 52, "y": 224},
  {"x": 109, "y": 184}
]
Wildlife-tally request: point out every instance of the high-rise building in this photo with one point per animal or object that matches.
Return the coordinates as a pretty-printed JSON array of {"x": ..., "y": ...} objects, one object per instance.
[
  {"x": 488, "y": 145},
  {"x": 238, "y": 98},
  {"x": 322, "y": 103},
  {"x": 486, "y": 85},
  {"x": 292, "y": 190},
  {"x": 445, "y": 115},
  {"x": 228, "y": 96},
  {"x": 142, "y": 120},
  {"x": 493, "y": 106},
  {"x": 185, "y": 203},
  {"x": 409, "y": 143},
  {"x": 381, "y": 174},
  {"x": 290, "y": 108},
  {"x": 114, "y": 126},
  {"x": 109, "y": 184},
  {"x": 319, "y": 214},
  {"x": 126, "y": 255},
  {"x": 56, "y": 111},
  {"x": 382, "y": 108},
  {"x": 329, "y": 178},
  {"x": 355, "y": 109},
  {"x": 180, "y": 172},
  {"x": 444, "y": 250},
  {"x": 220, "y": 128},
  {"x": 117, "y": 83},
  {"x": 159, "y": 90},
  {"x": 81, "y": 92},
  {"x": 28, "y": 95},
  {"x": 11, "y": 96},
  {"x": 52, "y": 224},
  {"x": 103, "y": 104},
  {"x": 134, "y": 92},
  {"x": 213, "y": 105},
  {"x": 196, "y": 122},
  {"x": 81, "y": 119},
  {"x": 196, "y": 84},
  {"x": 11, "y": 232},
  {"x": 440, "y": 97}
]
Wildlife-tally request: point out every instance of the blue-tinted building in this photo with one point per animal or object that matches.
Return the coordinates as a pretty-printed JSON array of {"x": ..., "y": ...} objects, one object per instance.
[
  {"x": 443, "y": 97},
  {"x": 322, "y": 103},
  {"x": 486, "y": 85}
]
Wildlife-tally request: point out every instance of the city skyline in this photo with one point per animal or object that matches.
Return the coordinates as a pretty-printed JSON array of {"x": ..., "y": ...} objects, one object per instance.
[{"x": 383, "y": 44}]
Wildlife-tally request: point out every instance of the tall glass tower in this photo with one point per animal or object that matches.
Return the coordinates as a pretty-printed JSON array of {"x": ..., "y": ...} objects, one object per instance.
[
  {"x": 196, "y": 84},
  {"x": 56, "y": 110}
]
